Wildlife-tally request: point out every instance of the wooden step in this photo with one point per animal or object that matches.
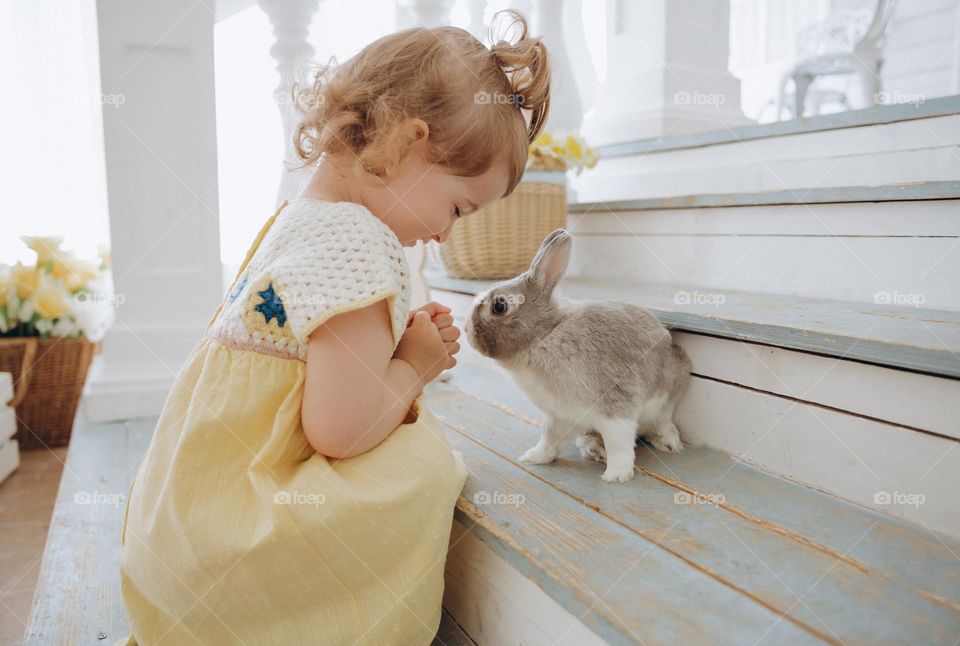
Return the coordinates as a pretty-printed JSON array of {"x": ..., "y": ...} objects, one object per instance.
[
  {"x": 697, "y": 547},
  {"x": 845, "y": 153},
  {"x": 921, "y": 340},
  {"x": 869, "y": 117},
  {"x": 812, "y": 243}
]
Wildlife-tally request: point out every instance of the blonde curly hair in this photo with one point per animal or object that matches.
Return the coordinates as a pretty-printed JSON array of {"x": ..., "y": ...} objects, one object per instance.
[{"x": 473, "y": 98}]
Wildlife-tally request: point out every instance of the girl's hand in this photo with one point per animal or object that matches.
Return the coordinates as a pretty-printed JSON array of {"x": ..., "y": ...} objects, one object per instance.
[
  {"x": 433, "y": 309},
  {"x": 422, "y": 347},
  {"x": 441, "y": 316}
]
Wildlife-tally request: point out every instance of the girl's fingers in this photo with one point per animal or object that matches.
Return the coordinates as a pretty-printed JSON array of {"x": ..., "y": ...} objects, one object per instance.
[
  {"x": 450, "y": 333},
  {"x": 452, "y": 347},
  {"x": 443, "y": 320}
]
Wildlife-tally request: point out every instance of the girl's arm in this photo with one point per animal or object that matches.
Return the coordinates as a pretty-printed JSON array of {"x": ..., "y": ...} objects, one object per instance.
[{"x": 355, "y": 393}]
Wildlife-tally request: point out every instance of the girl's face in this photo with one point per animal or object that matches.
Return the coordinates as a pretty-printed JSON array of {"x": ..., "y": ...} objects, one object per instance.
[{"x": 423, "y": 201}]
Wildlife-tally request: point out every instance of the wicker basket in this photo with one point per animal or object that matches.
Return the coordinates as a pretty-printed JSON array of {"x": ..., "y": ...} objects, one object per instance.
[
  {"x": 48, "y": 377},
  {"x": 500, "y": 240}
]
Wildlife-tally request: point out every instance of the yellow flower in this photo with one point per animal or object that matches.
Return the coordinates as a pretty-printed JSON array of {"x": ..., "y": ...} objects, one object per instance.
[
  {"x": 71, "y": 271},
  {"x": 50, "y": 299},
  {"x": 25, "y": 279},
  {"x": 5, "y": 283},
  {"x": 45, "y": 246},
  {"x": 104, "y": 253},
  {"x": 571, "y": 151},
  {"x": 544, "y": 139}
]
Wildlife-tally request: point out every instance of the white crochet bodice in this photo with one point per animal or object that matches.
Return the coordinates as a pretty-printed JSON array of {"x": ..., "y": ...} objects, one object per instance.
[{"x": 317, "y": 259}]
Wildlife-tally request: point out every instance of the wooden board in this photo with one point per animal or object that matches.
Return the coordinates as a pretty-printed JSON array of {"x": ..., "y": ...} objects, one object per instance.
[
  {"x": 908, "y": 399},
  {"x": 77, "y": 598},
  {"x": 894, "y": 470},
  {"x": 619, "y": 584},
  {"x": 839, "y": 573},
  {"x": 921, "y": 340}
]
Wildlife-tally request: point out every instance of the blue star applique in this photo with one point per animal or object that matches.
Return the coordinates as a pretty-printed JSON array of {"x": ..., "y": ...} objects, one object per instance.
[
  {"x": 271, "y": 306},
  {"x": 236, "y": 292}
]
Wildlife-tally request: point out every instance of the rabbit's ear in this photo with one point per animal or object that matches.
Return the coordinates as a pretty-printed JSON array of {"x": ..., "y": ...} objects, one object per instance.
[{"x": 550, "y": 263}]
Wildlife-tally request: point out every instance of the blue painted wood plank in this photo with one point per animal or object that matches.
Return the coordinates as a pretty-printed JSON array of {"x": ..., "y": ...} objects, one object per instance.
[
  {"x": 623, "y": 587},
  {"x": 77, "y": 597},
  {"x": 921, "y": 340}
]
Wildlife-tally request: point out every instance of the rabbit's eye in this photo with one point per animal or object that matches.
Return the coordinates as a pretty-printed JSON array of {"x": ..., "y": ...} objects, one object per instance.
[{"x": 499, "y": 305}]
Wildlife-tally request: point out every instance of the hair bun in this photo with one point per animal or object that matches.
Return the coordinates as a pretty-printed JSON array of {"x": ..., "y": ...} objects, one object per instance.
[{"x": 527, "y": 65}]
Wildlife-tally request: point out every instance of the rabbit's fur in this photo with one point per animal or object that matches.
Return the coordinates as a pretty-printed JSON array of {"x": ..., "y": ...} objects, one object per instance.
[{"x": 604, "y": 373}]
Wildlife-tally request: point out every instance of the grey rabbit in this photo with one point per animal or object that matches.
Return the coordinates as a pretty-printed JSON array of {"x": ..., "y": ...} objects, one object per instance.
[{"x": 603, "y": 372}]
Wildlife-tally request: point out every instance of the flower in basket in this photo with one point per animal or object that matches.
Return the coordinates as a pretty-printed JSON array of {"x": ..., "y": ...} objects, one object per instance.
[
  {"x": 548, "y": 152},
  {"x": 59, "y": 296}
]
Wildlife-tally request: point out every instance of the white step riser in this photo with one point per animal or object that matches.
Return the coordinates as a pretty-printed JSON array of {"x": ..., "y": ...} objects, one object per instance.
[
  {"x": 496, "y": 604},
  {"x": 850, "y": 429},
  {"x": 905, "y": 252},
  {"x": 903, "y": 152}
]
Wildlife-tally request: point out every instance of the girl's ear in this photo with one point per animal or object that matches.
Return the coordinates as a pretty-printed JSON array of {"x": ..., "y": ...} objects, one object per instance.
[
  {"x": 550, "y": 263},
  {"x": 418, "y": 130},
  {"x": 413, "y": 135}
]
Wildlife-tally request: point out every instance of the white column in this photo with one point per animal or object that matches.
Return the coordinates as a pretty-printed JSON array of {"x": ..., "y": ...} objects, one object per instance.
[
  {"x": 290, "y": 20},
  {"x": 161, "y": 165},
  {"x": 566, "y": 108},
  {"x": 667, "y": 72},
  {"x": 423, "y": 13},
  {"x": 478, "y": 25}
]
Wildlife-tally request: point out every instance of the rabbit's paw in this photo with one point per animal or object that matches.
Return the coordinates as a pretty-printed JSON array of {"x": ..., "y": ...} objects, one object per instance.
[
  {"x": 536, "y": 455},
  {"x": 667, "y": 438},
  {"x": 591, "y": 447},
  {"x": 622, "y": 474}
]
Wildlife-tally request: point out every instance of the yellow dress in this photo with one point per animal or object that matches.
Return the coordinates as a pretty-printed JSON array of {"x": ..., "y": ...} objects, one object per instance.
[{"x": 235, "y": 529}]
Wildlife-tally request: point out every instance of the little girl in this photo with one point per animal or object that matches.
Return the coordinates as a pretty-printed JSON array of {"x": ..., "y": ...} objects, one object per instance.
[{"x": 297, "y": 489}]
